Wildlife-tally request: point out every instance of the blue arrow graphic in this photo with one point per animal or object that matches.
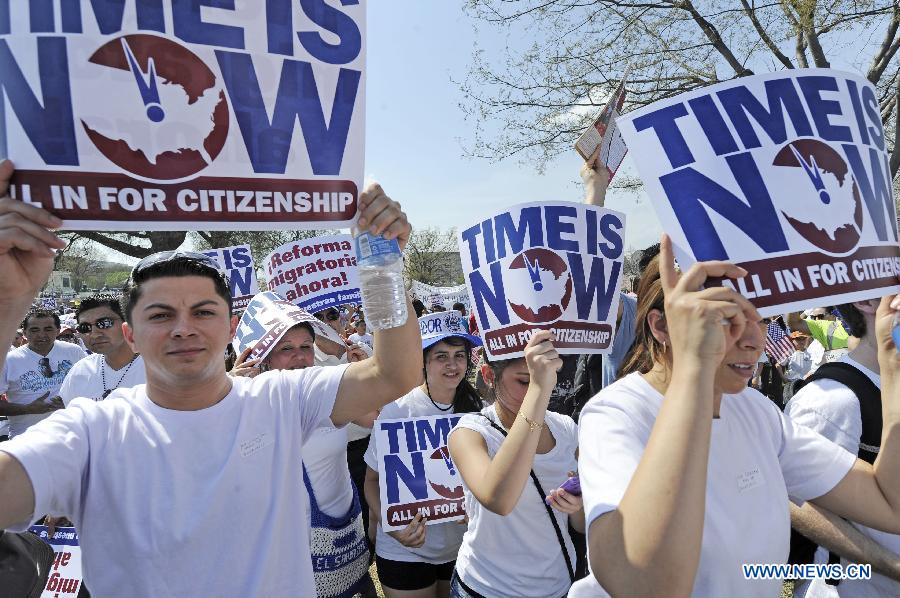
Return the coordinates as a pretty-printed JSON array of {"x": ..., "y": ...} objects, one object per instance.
[
  {"x": 815, "y": 176},
  {"x": 146, "y": 85},
  {"x": 534, "y": 271}
]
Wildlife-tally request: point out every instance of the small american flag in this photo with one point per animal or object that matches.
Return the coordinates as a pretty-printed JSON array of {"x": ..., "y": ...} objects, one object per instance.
[{"x": 779, "y": 346}]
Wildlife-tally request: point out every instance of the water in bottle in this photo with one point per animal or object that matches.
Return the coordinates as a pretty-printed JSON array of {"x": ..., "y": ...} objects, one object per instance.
[{"x": 380, "y": 266}]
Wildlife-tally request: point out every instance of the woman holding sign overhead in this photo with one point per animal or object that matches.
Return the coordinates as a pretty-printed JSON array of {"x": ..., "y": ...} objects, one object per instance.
[
  {"x": 418, "y": 561},
  {"x": 687, "y": 472},
  {"x": 513, "y": 458}
]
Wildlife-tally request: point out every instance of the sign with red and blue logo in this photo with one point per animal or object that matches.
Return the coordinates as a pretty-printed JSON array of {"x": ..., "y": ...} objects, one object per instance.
[
  {"x": 785, "y": 174},
  {"x": 545, "y": 266},
  {"x": 185, "y": 115}
]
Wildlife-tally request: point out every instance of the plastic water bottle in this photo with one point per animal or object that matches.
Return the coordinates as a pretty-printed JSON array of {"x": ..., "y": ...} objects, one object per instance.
[{"x": 380, "y": 266}]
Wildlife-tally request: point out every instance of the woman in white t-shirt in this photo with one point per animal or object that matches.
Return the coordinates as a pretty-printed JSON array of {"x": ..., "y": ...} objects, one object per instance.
[
  {"x": 338, "y": 547},
  {"x": 516, "y": 545},
  {"x": 686, "y": 472},
  {"x": 418, "y": 561}
]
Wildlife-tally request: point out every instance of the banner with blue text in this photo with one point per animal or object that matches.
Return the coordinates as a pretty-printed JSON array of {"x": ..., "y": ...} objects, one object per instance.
[
  {"x": 237, "y": 262},
  {"x": 545, "y": 266},
  {"x": 785, "y": 174},
  {"x": 185, "y": 115}
]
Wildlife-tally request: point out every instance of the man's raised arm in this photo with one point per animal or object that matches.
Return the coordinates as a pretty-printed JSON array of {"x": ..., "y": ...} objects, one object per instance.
[
  {"x": 396, "y": 366},
  {"x": 27, "y": 249}
]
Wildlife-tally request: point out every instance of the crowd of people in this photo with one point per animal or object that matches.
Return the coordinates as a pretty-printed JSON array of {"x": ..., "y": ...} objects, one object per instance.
[{"x": 697, "y": 441}]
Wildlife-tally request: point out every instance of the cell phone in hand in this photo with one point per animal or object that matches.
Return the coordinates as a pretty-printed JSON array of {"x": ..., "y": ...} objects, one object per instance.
[{"x": 572, "y": 486}]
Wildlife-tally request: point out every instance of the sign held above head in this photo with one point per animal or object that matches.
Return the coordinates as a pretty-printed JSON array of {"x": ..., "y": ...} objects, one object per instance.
[
  {"x": 186, "y": 118},
  {"x": 545, "y": 266},
  {"x": 785, "y": 174}
]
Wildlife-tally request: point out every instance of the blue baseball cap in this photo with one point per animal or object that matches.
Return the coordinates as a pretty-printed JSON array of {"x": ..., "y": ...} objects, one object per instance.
[{"x": 437, "y": 327}]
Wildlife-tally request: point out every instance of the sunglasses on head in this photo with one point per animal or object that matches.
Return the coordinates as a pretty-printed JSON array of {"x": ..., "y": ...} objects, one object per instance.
[
  {"x": 163, "y": 257},
  {"x": 101, "y": 324}
]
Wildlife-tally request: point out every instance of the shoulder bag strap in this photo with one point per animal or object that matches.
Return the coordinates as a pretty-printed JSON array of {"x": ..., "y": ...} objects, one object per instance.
[{"x": 543, "y": 495}]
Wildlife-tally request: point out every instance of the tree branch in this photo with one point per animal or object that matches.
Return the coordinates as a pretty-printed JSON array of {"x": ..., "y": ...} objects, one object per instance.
[
  {"x": 715, "y": 38},
  {"x": 751, "y": 14},
  {"x": 886, "y": 51}
]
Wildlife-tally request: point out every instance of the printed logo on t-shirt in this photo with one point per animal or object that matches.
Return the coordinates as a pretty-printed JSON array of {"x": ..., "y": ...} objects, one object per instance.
[
  {"x": 45, "y": 378},
  {"x": 248, "y": 447},
  {"x": 749, "y": 480}
]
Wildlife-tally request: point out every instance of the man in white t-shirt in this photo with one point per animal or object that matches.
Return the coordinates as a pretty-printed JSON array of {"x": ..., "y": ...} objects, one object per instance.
[
  {"x": 34, "y": 372},
  {"x": 112, "y": 364},
  {"x": 195, "y": 459},
  {"x": 833, "y": 409}
]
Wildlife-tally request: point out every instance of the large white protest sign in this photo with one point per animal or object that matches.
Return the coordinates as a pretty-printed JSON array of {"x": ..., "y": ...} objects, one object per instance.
[
  {"x": 315, "y": 273},
  {"x": 545, "y": 266},
  {"x": 185, "y": 115},
  {"x": 265, "y": 321},
  {"x": 237, "y": 261},
  {"x": 65, "y": 570},
  {"x": 785, "y": 174},
  {"x": 431, "y": 295},
  {"x": 417, "y": 474}
]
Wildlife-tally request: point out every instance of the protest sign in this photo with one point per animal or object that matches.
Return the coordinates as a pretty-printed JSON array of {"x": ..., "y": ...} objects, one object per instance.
[
  {"x": 417, "y": 474},
  {"x": 185, "y": 115},
  {"x": 545, "y": 266},
  {"x": 605, "y": 134},
  {"x": 266, "y": 319},
  {"x": 237, "y": 262},
  {"x": 315, "y": 273},
  {"x": 431, "y": 295},
  {"x": 65, "y": 570},
  {"x": 785, "y": 174}
]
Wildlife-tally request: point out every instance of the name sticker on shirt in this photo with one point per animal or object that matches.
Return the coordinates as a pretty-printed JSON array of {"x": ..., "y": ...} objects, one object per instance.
[
  {"x": 248, "y": 447},
  {"x": 749, "y": 480}
]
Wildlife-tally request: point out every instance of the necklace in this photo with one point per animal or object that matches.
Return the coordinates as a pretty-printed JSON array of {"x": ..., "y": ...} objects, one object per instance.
[
  {"x": 437, "y": 405},
  {"x": 122, "y": 377}
]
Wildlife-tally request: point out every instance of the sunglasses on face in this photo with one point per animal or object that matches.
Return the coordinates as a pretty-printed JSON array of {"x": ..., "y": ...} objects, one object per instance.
[
  {"x": 44, "y": 366},
  {"x": 101, "y": 324},
  {"x": 818, "y": 316},
  {"x": 330, "y": 316}
]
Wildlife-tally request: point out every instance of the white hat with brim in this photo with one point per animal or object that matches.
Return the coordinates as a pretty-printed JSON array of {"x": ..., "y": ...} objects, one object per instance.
[{"x": 436, "y": 327}]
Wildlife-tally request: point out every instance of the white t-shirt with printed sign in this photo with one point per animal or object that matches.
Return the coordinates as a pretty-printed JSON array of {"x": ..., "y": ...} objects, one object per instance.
[
  {"x": 442, "y": 540},
  {"x": 185, "y": 503},
  {"x": 832, "y": 410},
  {"x": 518, "y": 555},
  {"x": 758, "y": 459},
  {"x": 23, "y": 379},
  {"x": 86, "y": 377}
]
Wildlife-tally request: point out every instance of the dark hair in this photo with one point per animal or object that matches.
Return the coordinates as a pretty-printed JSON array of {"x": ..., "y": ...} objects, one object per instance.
[
  {"x": 852, "y": 319},
  {"x": 459, "y": 307},
  {"x": 177, "y": 267},
  {"x": 647, "y": 256},
  {"x": 419, "y": 307},
  {"x": 466, "y": 399},
  {"x": 645, "y": 350},
  {"x": 95, "y": 301},
  {"x": 41, "y": 313}
]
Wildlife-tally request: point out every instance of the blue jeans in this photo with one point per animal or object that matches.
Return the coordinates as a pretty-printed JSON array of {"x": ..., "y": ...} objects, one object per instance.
[{"x": 458, "y": 591}]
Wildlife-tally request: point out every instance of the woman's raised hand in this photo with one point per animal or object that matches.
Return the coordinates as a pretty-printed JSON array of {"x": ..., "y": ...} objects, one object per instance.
[
  {"x": 542, "y": 359},
  {"x": 702, "y": 323}
]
